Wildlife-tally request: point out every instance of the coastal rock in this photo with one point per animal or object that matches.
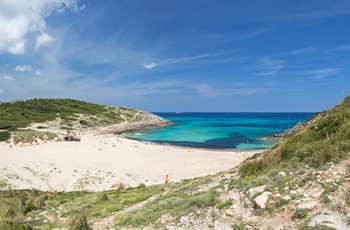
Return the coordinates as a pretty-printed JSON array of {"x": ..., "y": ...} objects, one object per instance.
[
  {"x": 229, "y": 213},
  {"x": 328, "y": 220},
  {"x": 282, "y": 174},
  {"x": 286, "y": 197},
  {"x": 277, "y": 195},
  {"x": 308, "y": 205},
  {"x": 318, "y": 194},
  {"x": 253, "y": 191},
  {"x": 262, "y": 199},
  {"x": 222, "y": 227}
]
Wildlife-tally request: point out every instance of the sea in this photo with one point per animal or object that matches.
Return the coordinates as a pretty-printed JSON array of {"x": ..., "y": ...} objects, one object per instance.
[{"x": 224, "y": 130}]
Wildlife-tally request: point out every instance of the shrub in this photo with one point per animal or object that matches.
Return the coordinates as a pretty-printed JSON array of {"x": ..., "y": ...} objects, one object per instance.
[
  {"x": 252, "y": 167},
  {"x": 103, "y": 197},
  {"x": 239, "y": 227},
  {"x": 204, "y": 199},
  {"x": 300, "y": 213},
  {"x": 5, "y": 135},
  {"x": 224, "y": 204},
  {"x": 281, "y": 202},
  {"x": 79, "y": 222}
]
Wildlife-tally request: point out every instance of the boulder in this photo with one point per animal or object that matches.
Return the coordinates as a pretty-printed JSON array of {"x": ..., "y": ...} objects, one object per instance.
[
  {"x": 282, "y": 174},
  {"x": 287, "y": 198},
  {"x": 262, "y": 199},
  {"x": 229, "y": 213},
  {"x": 308, "y": 205},
  {"x": 328, "y": 220},
  {"x": 252, "y": 191}
]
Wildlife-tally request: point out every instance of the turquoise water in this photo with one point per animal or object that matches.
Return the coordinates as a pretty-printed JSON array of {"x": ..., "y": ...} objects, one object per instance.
[{"x": 243, "y": 131}]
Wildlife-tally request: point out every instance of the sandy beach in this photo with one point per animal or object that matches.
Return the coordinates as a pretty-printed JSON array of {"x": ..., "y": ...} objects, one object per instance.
[{"x": 103, "y": 161}]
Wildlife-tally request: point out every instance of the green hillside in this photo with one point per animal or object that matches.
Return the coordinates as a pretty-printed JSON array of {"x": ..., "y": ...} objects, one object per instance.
[
  {"x": 23, "y": 113},
  {"x": 325, "y": 138},
  {"x": 65, "y": 114}
]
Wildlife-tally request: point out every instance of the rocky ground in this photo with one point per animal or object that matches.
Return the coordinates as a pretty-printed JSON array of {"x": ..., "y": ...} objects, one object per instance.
[
  {"x": 309, "y": 199},
  {"x": 306, "y": 199}
]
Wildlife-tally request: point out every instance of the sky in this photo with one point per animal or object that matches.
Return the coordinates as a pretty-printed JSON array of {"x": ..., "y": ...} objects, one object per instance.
[{"x": 183, "y": 55}]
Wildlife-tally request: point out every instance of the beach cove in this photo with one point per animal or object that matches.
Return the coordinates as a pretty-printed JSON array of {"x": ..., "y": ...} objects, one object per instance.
[{"x": 105, "y": 161}]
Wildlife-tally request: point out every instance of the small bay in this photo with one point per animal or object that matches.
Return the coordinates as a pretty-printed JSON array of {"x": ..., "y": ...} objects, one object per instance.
[{"x": 241, "y": 131}]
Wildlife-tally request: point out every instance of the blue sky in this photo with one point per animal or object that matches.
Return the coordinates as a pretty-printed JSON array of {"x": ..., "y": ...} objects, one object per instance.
[{"x": 184, "y": 55}]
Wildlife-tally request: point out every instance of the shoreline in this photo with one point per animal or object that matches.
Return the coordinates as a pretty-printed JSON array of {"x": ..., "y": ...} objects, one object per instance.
[
  {"x": 195, "y": 148},
  {"x": 103, "y": 161}
]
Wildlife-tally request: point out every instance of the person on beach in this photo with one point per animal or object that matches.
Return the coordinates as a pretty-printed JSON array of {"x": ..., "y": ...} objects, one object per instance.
[{"x": 166, "y": 179}]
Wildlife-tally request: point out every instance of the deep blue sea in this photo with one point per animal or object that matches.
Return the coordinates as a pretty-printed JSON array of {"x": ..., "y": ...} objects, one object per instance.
[{"x": 242, "y": 131}]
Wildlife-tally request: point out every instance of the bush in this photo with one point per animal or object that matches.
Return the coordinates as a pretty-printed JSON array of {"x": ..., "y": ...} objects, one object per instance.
[
  {"x": 103, "y": 197},
  {"x": 239, "y": 227},
  {"x": 300, "y": 213},
  {"x": 79, "y": 222},
  {"x": 252, "y": 167},
  {"x": 224, "y": 204},
  {"x": 5, "y": 135},
  {"x": 281, "y": 202},
  {"x": 205, "y": 199}
]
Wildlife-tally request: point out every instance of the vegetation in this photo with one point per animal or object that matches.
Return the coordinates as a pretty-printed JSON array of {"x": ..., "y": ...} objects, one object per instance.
[
  {"x": 319, "y": 142},
  {"x": 67, "y": 114},
  {"x": 23, "y": 113},
  {"x": 30, "y": 136},
  {"x": 325, "y": 138},
  {"x": 5, "y": 135},
  {"x": 78, "y": 210}
]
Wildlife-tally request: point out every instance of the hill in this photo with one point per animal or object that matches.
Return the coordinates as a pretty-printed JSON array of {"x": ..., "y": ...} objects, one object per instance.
[
  {"x": 58, "y": 115},
  {"x": 300, "y": 183}
]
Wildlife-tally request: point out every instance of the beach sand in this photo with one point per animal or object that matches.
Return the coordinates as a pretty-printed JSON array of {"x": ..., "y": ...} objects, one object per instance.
[{"x": 102, "y": 162}]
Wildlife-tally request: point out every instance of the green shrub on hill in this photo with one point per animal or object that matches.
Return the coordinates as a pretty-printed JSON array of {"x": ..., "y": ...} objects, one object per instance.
[
  {"x": 5, "y": 135},
  {"x": 23, "y": 113},
  {"x": 318, "y": 143},
  {"x": 69, "y": 114}
]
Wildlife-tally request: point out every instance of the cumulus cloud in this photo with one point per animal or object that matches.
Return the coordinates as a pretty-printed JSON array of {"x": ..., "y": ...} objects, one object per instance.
[
  {"x": 150, "y": 65},
  {"x": 9, "y": 78},
  {"x": 18, "y": 47},
  {"x": 38, "y": 72},
  {"x": 43, "y": 40},
  {"x": 23, "y": 68},
  {"x": 18, "y": 18}
]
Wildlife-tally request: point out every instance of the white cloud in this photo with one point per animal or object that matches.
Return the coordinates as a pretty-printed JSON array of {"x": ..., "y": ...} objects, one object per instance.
[
  {"x": 20, "y": 17},
  {"x": 269, "y": 66},
  {"x": 191, "y": 58},
  {"x": 18, "y": 48},
  {"x": 43, "y": 40},
  {"x": 304, "y": 50},
  {"x": 9, "y": 78},
  {"x": 206, "y": 90},
  {"x": 341, "y": 48},
  {"x": 23, "y": 68},
  {"x": 1, "y": 91},
  {"x": 38, "y": 72},
  {"x": 322, "y": 73},
  {"x": 150, "y": 65},
  {"x": 181, "y": 60}
]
